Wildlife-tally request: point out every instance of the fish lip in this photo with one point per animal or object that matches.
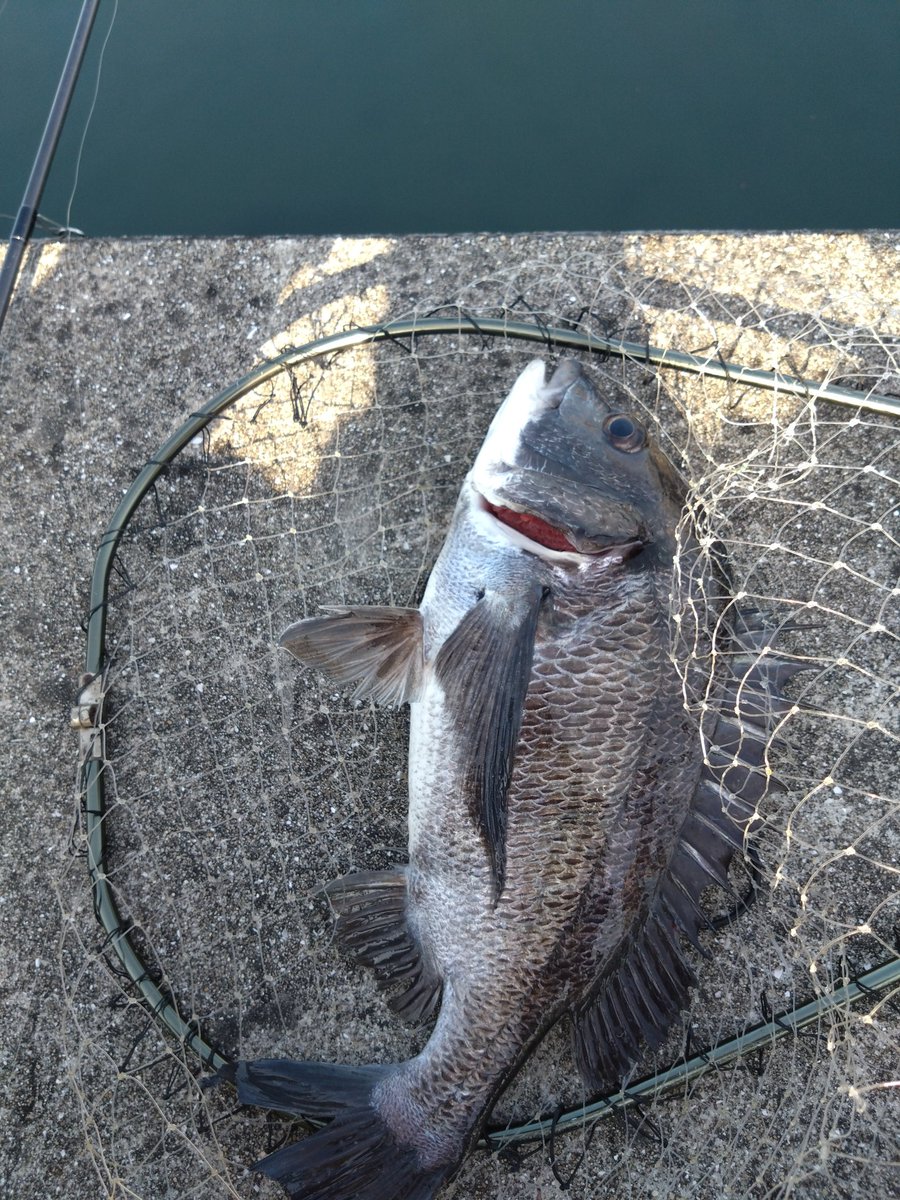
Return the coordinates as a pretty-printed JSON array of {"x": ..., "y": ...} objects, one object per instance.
[{"x": 619, "y": 550}]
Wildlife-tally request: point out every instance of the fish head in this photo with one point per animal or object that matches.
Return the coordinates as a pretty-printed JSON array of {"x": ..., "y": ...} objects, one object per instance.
[{"x": 573, "y": 474}]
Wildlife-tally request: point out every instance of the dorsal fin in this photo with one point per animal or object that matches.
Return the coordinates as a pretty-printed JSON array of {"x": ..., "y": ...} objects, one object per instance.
[
  {"x": 371, "y": 922},
  {"x": 638, "y": 1002},
  {"x": 484, "y": 667},
  {"x": 640, "y": 994},
  {"x": 377, "y": 648},
  {"x": 645, "y": 991}
]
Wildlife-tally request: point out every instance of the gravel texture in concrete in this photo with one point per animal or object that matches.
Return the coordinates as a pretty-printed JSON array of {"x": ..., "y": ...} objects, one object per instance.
[{"x": 238, "y": 784}]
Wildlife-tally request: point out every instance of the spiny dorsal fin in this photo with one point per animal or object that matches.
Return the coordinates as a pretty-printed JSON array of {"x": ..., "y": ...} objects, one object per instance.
[
  {"x": 371, "y": 922},
  {"x": 638, "y": 1002},
  {"x": 750, "y": 706},
  {"x": 484, "y": 667},
  {"x": 638, "y": 998},
  {"x": 377, "y": 648}
]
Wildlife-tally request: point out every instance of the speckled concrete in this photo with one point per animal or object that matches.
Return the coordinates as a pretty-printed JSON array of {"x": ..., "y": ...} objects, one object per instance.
[{"x": 108, "y": 346}]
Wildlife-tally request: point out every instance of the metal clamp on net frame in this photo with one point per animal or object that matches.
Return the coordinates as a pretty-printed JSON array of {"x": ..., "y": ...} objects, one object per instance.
[{"x": 87, "y": 712}]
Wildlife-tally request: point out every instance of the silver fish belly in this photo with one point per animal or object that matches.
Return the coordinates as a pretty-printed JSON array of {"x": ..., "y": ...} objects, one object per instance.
[{"x": 565, "y": 810}]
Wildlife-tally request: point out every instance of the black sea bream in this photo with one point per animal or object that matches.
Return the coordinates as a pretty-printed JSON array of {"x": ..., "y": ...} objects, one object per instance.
[{"x": 565, "y": 808}]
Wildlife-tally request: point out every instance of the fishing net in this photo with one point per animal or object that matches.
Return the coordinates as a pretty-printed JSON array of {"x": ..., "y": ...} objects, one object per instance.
[{"x": 235, "y": 782}]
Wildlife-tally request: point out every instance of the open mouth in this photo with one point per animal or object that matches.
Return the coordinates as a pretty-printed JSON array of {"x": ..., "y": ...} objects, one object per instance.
[{"x": 536, "y": 528}]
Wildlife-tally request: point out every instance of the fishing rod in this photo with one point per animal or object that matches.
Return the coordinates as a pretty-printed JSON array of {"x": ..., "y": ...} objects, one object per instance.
[{"x": 24, "y": 223}]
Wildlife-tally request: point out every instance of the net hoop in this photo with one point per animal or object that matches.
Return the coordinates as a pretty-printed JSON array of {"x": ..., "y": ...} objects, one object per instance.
[{"x": 87, "y": 715}]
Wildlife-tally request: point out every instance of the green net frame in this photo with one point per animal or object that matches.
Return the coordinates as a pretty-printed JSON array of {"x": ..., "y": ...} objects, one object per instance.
[{"x": 87, "y": 716}]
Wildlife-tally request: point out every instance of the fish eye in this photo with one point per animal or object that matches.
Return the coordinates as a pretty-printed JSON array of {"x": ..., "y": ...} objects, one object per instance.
[{"x": 623, "y": 433}]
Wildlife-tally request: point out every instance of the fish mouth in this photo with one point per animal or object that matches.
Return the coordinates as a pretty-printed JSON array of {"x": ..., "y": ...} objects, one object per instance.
[
  {"x": 536, "y": 534},
  {"x": 533, "y": 527}
]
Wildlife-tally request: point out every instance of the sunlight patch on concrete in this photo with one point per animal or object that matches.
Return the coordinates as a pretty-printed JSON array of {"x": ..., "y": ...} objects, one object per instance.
[
  {"x": 48, "y": 260},
  {"x": 825, "y": 277},
  {"x": 344, "y": 254},
  {"x": 287, "y": 426}
]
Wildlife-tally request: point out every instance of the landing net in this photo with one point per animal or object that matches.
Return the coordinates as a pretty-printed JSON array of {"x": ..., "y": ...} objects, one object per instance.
[{"x": 223, "y": 783}]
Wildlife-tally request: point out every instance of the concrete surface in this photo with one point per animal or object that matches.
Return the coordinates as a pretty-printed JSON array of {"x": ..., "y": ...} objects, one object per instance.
[{"x": 108, "y": 346}]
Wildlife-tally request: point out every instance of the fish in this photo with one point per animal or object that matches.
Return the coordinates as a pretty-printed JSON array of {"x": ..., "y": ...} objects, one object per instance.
[{"x": 573, "y": 788}]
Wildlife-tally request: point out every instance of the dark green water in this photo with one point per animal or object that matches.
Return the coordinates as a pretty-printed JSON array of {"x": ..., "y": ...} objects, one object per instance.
[{"x": 327, "y": 116}]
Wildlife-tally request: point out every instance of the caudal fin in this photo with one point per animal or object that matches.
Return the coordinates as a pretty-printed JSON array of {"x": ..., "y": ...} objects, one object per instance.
[{"x": 356, "y": 1156}]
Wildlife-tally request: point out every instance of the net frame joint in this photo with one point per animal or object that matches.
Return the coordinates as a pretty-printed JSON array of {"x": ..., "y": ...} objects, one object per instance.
[{"x": 86, "y": 717}]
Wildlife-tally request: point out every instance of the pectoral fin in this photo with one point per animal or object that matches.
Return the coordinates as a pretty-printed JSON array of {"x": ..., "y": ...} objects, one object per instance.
[
  {"x": 484, "y": 667},
  {"x": 379, "y": 649}
]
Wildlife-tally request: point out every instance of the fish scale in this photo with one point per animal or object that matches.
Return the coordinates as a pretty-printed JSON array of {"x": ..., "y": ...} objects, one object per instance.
[{"x": 566, "y": 809}]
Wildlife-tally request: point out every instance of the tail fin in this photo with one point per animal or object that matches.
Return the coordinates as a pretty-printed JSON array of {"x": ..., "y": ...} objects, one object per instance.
[{"x": 356, "y": 1156}]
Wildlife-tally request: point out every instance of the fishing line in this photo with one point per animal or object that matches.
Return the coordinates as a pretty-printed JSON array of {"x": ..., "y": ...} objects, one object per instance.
[
  {"x": 48, "y": 226},
  {"x": 24, "y": 223},
  {"x": 90, "y": 115}
]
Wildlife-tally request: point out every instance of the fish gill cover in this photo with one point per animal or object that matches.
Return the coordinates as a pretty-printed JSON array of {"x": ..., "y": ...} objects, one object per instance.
[{"x": 238, "y": 784}]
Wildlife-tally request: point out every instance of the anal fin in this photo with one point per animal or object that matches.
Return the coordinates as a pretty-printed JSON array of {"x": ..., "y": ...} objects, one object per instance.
[{"x": 371, "y": 922}]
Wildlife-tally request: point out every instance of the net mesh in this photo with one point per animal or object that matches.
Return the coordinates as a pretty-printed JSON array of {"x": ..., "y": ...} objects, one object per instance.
[{"x": 238, "y": 783}]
